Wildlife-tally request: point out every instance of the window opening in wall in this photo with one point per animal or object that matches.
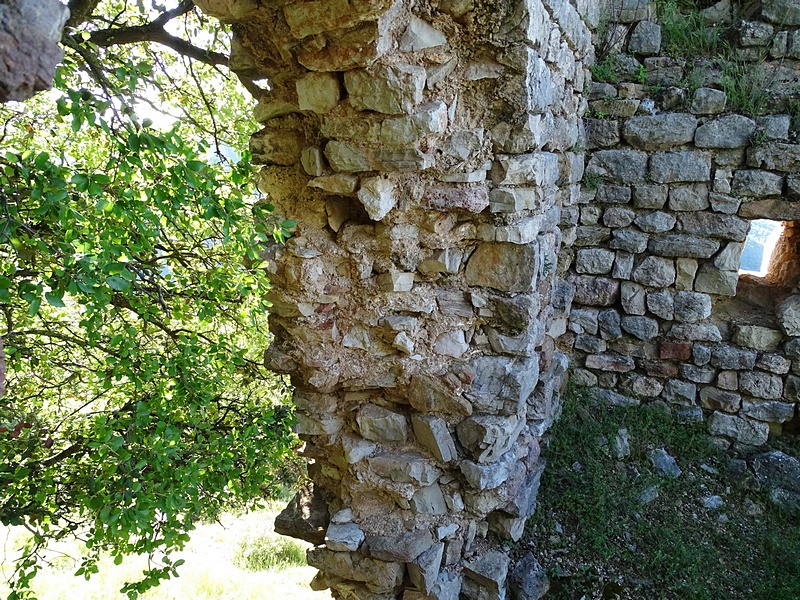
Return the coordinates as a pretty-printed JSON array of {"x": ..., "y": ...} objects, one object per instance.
[{"x": 761, "y": 241}]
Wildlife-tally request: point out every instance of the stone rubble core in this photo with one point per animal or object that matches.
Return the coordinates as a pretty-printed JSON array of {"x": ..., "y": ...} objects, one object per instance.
[{"x": 426, "y": 151}]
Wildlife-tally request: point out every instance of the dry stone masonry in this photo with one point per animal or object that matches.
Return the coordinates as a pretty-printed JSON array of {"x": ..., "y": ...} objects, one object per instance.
[
  {"x": 427, "y": 151},
  {"x": 451, "y": 254},
  {"x": 673, "y": 180}
]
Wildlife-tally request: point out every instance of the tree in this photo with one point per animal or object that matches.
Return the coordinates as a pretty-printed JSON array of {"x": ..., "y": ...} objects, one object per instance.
[{"x": 132, "y": 292}]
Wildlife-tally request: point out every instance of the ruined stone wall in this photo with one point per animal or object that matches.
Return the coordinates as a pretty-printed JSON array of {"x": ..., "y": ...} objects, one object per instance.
[
  {"x": 426, "y": 151},
  {"x": 674, "y": 178}
]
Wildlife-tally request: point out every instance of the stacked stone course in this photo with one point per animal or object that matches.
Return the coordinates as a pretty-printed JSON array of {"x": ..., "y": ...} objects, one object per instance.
[
  {"x": 672, "y": 182},
  {"x": 426, "y": 151}
]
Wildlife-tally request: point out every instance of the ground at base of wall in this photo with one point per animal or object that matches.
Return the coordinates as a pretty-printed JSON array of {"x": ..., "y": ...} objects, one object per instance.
[{"x": 608, "y": 525}]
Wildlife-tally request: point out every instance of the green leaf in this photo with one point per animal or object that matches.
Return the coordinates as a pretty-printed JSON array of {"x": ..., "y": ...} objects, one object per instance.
[
  {"x": 33, "y": 308},
  {"x": 55, "y": 299},
  {"x": 118, "y": 284}
]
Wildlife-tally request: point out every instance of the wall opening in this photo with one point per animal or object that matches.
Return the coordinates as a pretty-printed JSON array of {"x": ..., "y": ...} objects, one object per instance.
[{"x": 762, "y": 239}]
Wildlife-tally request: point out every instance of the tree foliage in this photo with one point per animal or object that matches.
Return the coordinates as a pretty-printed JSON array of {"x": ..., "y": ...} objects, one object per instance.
[{"x": 132, "y": 296}]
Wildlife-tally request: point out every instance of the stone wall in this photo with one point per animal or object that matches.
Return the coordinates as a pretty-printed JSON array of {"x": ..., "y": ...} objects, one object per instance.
[
  {"x": 426, "y": 151},
  {"x": 674, "y": 178}
]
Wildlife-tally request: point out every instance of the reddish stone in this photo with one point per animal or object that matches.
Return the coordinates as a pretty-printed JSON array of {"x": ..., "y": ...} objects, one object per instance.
[
  {"x": 675, "y": 350},
  {"x": 657, "y": 368}
]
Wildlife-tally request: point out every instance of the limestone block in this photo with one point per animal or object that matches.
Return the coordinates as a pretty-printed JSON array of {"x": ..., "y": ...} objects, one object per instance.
[
  {"x": 344, "y": 537},
  {"x": 792, "y": 388},
  {"x": 754, "y": 182},
  {"x": 489, "y": 570},
  {"x": 649, "y": 196},
  {"x": 514, "y": 199},
  {"x": 264, "y": 110},
  {"x": 689, "y": 197},
  {"x": 618, "y": 216},
  {"x": 433, "y": 434},
  {"x": 356, "y": 448},
  {"x": 712, "y": 280},
  {"x": 377, "y": 194},
  {"x": 770, "y": 411},
  {"x": 404, "y": 467},
  {"x": 396, "y": 282},
  {"x": 276, "y": 147},
  {"x": 774, "y": 363},
  {"x": 776, "y": 209},
  {"x": 655, "y": 222},
  {"x": 392, "y": 90},
  {"x": 536, "y": 168},
  {"x": 686, "y": 269},
  {"x": 629, "y": 240},
  {"x": 615, "y": 108},
  {"x": 423, "y": 571},
  {"x": 491, "y": 476},
  {"x": 419, "y": 35},
  {"x": 724, "y": 203},
  {"x": 380, "y": 424},
  {"x": 488, "y": 437},
  {"x": 429, "y": 501},
  {"x": 698, "y": 374},
  {"x": 311, "y": 159},
  {"x": 502, "y": 384},
  {"x": 776, "y": 156},
  {"x": 761, "y": 385},
  {"x": 613, "y": 194},
  {"x": 730, "y": 357},
  {"x": 645, "y": 38},
  {"x": 728, "y": 131},
  {"x": 730, "y": 257},
  {"x": 595, "y": 291},
  {"x": 623, "y": 265},
  {"x": 655, "y": 271},
  {"x": 754, "y": 433},
  {"x": 602, "y": 133},
  {"x": 595, "y": 261},
  {"x": 449, "y": 197},
  {"x": 311, "y": 18},
  {"x": 591, "y": 236},
  {"x": 757, "y": 338},
  {"x": 431, "y": 395},
  {"x": 781, "y": 12},
  {"x": 451, "y": 343},
  {"x": 664, "y": 71},
  {"x": 660, "y": 132},
  {"x": 788, "y": 315},
  {"x": 716, "y": 399},
  {"x": 402, "y": 548},
  {"x": 505, "y": 267},
  {"x": 632, "y": 297},
  {"x": 682, "y": 246},
  {"x": 318, "y": 92},
  {"x": 691, "y": 307},
  {"x": 643, "y": 328},
  {"x": 429, "y": 119},
  {"x": 610, "y": 362},
  {"x": 339, "y": 184},
  {"x": 621, "y": 166},
  {"x": 672, "y": 167},
  {"x": 609, "y": 324},
  {"x": 708, "y": 101},
  {"x": 775, "y": 127},
  {"x": 716, "y": 225},
  {"x": 383, "y": 576}
]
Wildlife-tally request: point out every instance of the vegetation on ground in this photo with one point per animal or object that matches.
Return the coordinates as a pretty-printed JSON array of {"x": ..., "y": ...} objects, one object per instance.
[
  {"x": 211, "y": 572},
  {"x": 601, "y": 533}
]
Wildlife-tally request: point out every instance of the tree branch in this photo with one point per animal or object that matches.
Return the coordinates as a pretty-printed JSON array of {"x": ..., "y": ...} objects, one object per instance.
[{"x": 155, "y": 32}]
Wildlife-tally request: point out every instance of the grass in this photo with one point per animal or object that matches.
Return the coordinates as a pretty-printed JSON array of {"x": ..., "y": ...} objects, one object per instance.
[
  {"x": 684, "y": 33},
  {"x": 597, "y": 539},
  {"x": 240, "y": 558}
]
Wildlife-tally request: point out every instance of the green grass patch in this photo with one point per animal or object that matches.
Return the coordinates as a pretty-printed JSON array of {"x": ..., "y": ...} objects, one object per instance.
[
  {"x": 269, "y": 552},
  {"x": 598, "y": 539}
]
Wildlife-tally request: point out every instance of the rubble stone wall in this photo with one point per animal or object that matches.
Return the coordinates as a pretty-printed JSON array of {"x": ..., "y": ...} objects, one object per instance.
[
  {"x": 674, "y": 178},
  {"x": 426, "y": 151}
]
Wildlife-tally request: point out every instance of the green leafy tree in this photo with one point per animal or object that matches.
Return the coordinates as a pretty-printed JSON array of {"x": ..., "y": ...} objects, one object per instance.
[{"x": 132, "y": 295}]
